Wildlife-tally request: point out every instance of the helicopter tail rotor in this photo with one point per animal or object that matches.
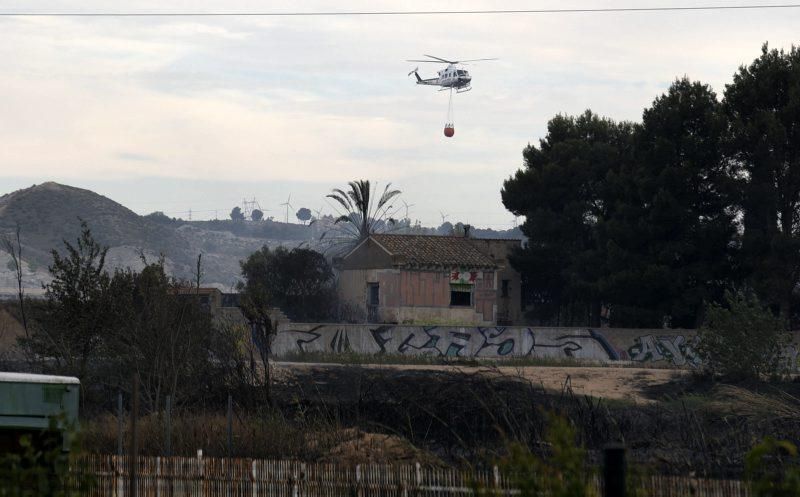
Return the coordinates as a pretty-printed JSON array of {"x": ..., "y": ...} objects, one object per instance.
[{"x": 415, "y": 73}]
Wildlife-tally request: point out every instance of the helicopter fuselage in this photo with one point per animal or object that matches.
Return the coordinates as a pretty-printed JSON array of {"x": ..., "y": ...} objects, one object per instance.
[
  {"x": 453, "y": 77},
  {"x": 450, "y": 77}
]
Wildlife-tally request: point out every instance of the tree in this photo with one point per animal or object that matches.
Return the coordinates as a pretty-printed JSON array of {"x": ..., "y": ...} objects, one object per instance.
[
  {"x": 164, "y": 334},
  {"x": 299, "y": 282},
  {"x": 13, "y": 245},
  {"x": 562, "y": 193},
  {"x": 763, "y": 107},
  {"x": 236, "y": 214},
  {"x": 304, "y": 214},
  {"x": 257, "y": 215},
  {"x": 669, "y": 232},
  {"x": 160, "y": 217},
  {"x": 445, "y": 229},
  {"x": 360, "y": 214},
  {"x": 742, "y": 339},
  {"x": 75, "y": 314}
]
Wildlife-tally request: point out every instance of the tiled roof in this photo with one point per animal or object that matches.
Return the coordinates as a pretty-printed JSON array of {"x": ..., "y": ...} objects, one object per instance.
[{"x": 422, "y": 251}]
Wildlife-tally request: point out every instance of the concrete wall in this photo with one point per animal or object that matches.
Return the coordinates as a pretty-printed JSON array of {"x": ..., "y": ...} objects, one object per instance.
[{"x": 651, "y": 347}]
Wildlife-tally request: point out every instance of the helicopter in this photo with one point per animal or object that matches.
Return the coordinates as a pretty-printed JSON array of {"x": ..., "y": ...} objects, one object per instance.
[{"x": 450, "y": 78}]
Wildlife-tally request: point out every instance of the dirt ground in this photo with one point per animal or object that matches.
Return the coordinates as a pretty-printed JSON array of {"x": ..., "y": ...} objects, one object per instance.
[{"x": 613, "y": 383}]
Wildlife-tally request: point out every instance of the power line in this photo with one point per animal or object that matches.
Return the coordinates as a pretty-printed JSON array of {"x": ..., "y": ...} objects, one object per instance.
[{"x": 406, "y": 12}]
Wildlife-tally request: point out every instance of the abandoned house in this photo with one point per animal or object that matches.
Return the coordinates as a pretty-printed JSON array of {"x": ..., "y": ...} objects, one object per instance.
[{"x": 423, "y": 279}]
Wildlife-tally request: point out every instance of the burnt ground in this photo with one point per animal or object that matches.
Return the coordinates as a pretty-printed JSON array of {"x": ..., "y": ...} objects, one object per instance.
[{"x": 674, "y": 422}]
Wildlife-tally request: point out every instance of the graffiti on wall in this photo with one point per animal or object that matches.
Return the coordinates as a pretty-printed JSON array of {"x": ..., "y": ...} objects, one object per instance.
[
  {"x": 675, "y": 349},
  {"x": 488, "y": 342}
]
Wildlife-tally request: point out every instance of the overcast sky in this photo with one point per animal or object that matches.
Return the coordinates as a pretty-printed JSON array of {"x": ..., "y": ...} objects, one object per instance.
[{"x": 196, "y": 113}]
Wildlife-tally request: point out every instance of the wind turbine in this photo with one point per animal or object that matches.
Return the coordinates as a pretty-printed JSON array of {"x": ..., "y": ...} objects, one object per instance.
[
  {"x": 288, "y": 206},
  {"x": 407, "y": 206},
  {"x": 444, "y": 216}
]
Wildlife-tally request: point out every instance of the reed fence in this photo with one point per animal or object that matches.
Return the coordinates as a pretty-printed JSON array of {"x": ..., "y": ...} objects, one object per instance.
[{"x": 221, "y": 477}]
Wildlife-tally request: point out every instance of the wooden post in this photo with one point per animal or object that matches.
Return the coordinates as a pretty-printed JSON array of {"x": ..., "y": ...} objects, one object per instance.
[
  {"x": 614, "y": 471},
  {"x": 254, "y": 478},
  {"x": 158, "y": 476}
]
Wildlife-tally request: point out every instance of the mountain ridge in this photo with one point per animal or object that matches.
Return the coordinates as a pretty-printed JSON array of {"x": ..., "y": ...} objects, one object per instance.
[{"x": 49, "y": 213}]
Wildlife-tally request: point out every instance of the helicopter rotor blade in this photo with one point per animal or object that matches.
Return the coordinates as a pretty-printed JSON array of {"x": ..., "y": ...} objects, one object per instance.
[
  {"x": 441, "y": 59},
  {"x": 429, "y": 61},
  {"x": 476, "y": 60}
]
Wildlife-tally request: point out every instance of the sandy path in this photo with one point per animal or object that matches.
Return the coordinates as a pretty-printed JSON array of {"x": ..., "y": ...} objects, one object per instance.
[{"x": 618, "y": 383}]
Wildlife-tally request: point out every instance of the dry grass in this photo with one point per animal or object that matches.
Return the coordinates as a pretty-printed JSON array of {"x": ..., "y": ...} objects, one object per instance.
[
  {"x": 253, "y": 436},
  {"x": 731, "y": 399},
  {"x": 268, "y": 437}
]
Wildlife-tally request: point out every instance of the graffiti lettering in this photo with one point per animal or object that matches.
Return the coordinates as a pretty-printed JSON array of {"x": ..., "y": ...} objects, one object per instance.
[
  {"x": 446, "y": 341},
  {"x": 498, "y": 343},
  {"x": 672, "y": 348}
]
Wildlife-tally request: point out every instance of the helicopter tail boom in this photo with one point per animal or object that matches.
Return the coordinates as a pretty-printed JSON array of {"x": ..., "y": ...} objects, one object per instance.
[{"x": 415, "y": 73}]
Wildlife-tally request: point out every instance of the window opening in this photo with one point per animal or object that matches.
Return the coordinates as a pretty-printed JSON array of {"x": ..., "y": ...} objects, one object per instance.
[
  {"x": 460, "y": 295},
  {"x": 373, "y": 294}
]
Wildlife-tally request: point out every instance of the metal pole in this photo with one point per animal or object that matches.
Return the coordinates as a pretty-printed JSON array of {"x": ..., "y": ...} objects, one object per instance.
[
  {"x": 168, "y": 448},
  {"x": 230, "y": 436},
  {"x": 614, "y": 470},
  {"x": 230, "y": 426},
  {"x": 119, "y": 424},
  {"x": 134, "y": 449}
]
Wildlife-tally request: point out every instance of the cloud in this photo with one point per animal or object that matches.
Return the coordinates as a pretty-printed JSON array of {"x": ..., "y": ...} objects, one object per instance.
[
  {"x": 325, "y": 100},
  {"x": 135, "y": 157}
]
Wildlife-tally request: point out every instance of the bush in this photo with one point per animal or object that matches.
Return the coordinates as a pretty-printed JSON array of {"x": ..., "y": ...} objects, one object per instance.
[
  {"x": 563, "y": 473},
  {"x": 743, "y": 339},
  {"x": 772, "y": 469},
  {"x": 42, "y": 469}
]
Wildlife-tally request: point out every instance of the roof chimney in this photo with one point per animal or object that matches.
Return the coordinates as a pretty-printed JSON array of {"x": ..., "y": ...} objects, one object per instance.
[{"x": 467, "y": 227}]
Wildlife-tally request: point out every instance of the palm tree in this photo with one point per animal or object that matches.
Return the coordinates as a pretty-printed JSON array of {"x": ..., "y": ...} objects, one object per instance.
[{"x": 360, "y": 214}]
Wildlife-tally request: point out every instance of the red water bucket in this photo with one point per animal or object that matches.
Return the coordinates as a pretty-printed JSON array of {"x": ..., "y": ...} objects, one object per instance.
[{"x": 449, "y": 130}]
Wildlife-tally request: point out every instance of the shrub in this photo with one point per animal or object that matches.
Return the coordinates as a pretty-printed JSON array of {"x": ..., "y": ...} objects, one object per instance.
[
  {"x": 742, "y": 339},
  {"x": 772, "y": 469},
  {"x": 562, "y": 473},
  {"x": 42, "y": 469}
]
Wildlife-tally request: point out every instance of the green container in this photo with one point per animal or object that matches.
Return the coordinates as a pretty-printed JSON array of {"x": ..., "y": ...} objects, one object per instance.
[{"x": 28, "y": 401}]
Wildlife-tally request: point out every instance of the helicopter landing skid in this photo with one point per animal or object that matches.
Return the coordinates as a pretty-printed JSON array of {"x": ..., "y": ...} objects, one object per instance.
[{"x": 458, "y": 90}]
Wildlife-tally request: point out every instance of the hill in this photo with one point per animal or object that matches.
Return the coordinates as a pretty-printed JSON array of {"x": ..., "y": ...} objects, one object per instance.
[{"x": 50, "y": 213}]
